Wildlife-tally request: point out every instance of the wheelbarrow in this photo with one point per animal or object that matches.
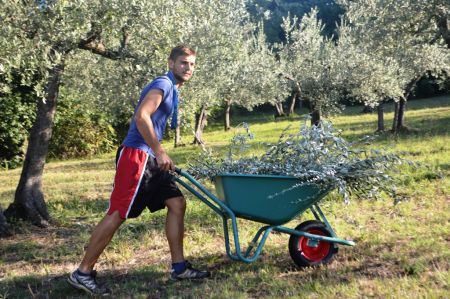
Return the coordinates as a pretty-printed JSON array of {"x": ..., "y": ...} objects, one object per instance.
[{"x": 271, "y": 200}]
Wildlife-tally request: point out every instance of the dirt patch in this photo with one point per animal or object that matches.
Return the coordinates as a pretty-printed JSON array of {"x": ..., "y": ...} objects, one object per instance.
[{"x": 378, "y": 269}]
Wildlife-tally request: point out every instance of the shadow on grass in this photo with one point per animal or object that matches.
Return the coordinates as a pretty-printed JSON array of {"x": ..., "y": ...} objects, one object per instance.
[
  {"x": 264, "y": 278},
  {"x": 422, "y": 127},
  {"x": 72, "y": 223},
  {"x": 123, "y": 284},
  {"x": 36, "y": 246},
  {"x": 269, "y": 276},
  {"x": 143, "y": 282}
]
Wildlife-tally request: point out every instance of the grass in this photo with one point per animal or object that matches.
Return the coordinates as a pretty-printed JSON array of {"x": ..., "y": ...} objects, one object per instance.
[{"x": 402, "y": 251}]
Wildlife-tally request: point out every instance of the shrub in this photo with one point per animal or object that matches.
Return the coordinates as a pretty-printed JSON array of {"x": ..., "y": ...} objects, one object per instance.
[
  {"x": 80, "y": 131},
  {"x": 17, "y": 114}
]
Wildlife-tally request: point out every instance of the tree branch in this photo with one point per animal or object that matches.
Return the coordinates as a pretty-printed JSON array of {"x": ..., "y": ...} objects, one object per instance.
[
  {"x": 444, "y": 29},
  {"x": 95, "y": 44},
  {"x": 125, "y": 38},
  {"x": 297, "y": 86}
]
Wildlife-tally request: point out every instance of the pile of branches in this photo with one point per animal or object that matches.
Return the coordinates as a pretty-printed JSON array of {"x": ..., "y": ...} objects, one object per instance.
[{"x": 315, "y": 154}]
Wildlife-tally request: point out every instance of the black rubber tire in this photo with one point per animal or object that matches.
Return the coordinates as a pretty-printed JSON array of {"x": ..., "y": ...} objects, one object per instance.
[{"x": 306, "y": 256}]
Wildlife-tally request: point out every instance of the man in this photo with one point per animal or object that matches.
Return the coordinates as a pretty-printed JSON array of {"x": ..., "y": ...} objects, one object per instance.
[{"x": 142, "y": 178}]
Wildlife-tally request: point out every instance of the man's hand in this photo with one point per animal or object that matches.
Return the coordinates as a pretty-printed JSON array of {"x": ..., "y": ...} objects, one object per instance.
[{"x": 164, "y": 162}]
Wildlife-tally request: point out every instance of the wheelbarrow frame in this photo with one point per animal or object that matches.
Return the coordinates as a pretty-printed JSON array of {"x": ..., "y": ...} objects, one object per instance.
[{"x": 258, "y": 241}]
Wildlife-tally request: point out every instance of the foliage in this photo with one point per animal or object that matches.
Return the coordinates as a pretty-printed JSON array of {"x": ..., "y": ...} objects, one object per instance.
[
  {"x": 310, "y": 60},
  {"x": 260, "y": 75},
  {"x": 387, "y": 46},
  {"x": 81, "y": 131},
  {"x": 132, "y": 40},
  {"x": 380, "y": 51},
  {"x": 243, "y": 69},
  {"x": 220, "y": 42},
  {"x": 315, "y": 154},
  {"x": 17, "y": 115},
  {"x": 273, "y": 13},
  {"x": 255, "y": 78}
]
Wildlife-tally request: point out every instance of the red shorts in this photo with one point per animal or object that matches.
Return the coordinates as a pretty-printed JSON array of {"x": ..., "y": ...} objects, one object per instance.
[{"x": 139, "y": 184}]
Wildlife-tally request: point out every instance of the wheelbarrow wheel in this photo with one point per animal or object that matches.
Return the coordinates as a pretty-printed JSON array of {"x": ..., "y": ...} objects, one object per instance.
[{"x": 306, "y": 252}]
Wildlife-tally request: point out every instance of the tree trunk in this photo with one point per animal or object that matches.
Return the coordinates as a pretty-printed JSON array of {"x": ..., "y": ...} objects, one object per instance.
[
  {"x": 400, "y": 106},
  {"x": 227, "y": 115},
  {"x": 4, "y": 227},
  {"x": 315, "y": 117},
  {"x": 444, "y": 29},
  {"x": 297, "y": 92},
  {"x": 177, "y": 138},
  {"x": 292, "y": 107},
  {"x": 380, "y": 111},
  {"x": 395, "y": 120},
  {"x": 29, "y": 201},
  {"x": 200, "y": 123},
  {"x": 280, "y": 110},
  {"x": 401, "y": 113}
]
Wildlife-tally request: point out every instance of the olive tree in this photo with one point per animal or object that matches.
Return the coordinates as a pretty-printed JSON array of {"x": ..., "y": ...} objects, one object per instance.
[
  {"x": 310, "y": 62},
  {"x": 219, "y": 41},
  {"x": 407, "y": 39},
  {"x": 254, "y": 78},
  {"x": 40, "y": 39},
  {"x": 45, "y": 42},
  {"x": 261, "y": 77},
  {"x": 369, "y": 76},
  {"x": 241, "y": 70}
]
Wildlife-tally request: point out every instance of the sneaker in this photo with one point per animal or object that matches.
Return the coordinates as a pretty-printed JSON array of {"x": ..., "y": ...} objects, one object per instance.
[
  {"x": 189, "y": 273},
  {"x": 87, "y": 283}
]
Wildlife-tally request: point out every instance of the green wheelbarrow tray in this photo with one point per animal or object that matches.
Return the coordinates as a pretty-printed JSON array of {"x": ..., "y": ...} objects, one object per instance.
[
  {"x": 269, "y": 199},
  {"x": 272, "y": 201}
]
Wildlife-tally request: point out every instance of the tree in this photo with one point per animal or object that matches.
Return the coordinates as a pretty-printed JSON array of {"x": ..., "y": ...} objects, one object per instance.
[
  {"x": 264, "y": 83},
  {"x": 42, "y": 38},
  {"x": 408, "y": 37},
  {"x": 273, "y": 12},
  {"x": 310, "y": 62},
  {"x": 370, "y": 76},
  {"x": 252, "y": 78},
  {"x": 219, "y": 42},
  {"x": 223, "y": 74},
  {"x": 45, "y": 39}
]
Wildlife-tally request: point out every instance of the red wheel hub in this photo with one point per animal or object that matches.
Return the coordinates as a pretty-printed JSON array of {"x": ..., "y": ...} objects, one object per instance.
[{"x": 314, "y": 253}]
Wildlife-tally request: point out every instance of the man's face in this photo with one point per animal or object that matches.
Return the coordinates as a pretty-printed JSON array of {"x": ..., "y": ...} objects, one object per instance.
[{"x": 182, "y": 67}]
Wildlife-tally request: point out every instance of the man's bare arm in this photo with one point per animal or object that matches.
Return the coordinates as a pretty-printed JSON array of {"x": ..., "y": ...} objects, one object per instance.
[{"x": 145, "y": 126}]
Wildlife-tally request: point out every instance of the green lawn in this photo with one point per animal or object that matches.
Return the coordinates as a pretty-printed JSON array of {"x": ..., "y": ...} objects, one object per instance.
[{"x": 402, "y": 250}]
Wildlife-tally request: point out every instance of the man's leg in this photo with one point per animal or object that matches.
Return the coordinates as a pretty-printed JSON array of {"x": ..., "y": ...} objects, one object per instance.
[
  {"x": 100, "y": 238},
  {"x": 176, "y": 206},
  {"x": 84, "y": 277},
  {"x": 181, "y": 269}
]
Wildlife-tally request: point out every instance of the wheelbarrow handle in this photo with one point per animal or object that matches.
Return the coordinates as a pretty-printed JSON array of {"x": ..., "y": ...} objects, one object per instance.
[{"x": 177, "y": 170}]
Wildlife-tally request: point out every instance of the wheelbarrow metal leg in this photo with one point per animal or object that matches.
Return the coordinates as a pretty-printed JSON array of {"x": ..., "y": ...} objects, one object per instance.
[
  {"x": 312, "y": 236},
  {"x": 254, "y": 242},
  {"x": 238, "y": 255},
  {"x": 321, "y": 217}
]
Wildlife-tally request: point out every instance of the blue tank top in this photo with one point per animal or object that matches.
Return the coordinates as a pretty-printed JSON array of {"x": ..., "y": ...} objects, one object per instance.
[{"x": 159, "y": 118}]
